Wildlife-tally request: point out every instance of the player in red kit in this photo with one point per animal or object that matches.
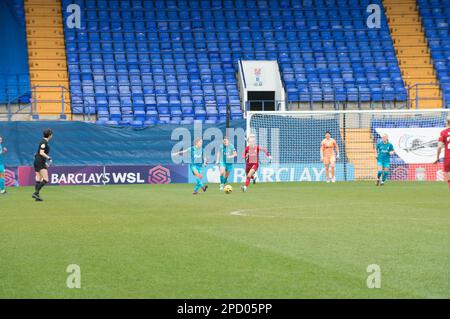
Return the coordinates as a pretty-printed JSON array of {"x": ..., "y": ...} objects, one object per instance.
[
  {"x": 251, "y": 155},
  {"x": 444, "y": 142}
]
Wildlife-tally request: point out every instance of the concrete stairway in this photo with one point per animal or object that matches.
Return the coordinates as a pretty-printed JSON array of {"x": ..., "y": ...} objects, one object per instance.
[
  {"x": 361, "y": 152},
  {"x": 412, "y": 52},
  {"x": 47, "y": 55}
]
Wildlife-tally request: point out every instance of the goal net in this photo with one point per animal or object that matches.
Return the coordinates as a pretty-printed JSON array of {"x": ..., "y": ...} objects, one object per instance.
[{"x": 294, "y": 138}]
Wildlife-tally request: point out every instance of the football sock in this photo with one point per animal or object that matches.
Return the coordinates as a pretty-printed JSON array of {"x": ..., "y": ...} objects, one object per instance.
[
  {"x": 385, "y": 176},
  {"x": 448, "y": 182},
  {"x": 198, "y": 184},
  {"x": 247, "y": 181},
  {"x": 222, "y": 179},
  {"x": 39, "y": 186},
  {"x": 225, "y": 180},
  {"x": 2, "y": 183},
  {"x": 379, "y": 174}
]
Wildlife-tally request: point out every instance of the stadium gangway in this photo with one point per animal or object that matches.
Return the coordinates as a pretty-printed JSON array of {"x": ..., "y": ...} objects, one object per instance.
[
  {"x": 416, "y": 89},
  {"x": 35, "y": 100}
]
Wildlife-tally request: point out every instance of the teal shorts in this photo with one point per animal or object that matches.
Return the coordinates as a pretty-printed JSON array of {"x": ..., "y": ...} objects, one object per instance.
[
  {"x": 196, "y": 168},
  {"x": 384, "y": 164},
  {"x": 228, "y": 167}
]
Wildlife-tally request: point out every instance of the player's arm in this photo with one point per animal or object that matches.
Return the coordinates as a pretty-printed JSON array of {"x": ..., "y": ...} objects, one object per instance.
[
  {"x": 321, "y": 151},
  {"x": 265, "y": 151},
  {"x": 234, "y": 154},
  {"x": 439, "y": 150},
  {"x": 42, "y": 153},
  {"x": 245, "y": 155},
  {"x": 336, "y": 146},
  {"x": 391, "y": 150},
  {"x": 3, "y": 150}
]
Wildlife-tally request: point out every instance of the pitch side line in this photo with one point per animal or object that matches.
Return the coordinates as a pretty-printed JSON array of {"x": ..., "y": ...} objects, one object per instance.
[{"x": 247, "y": 213}]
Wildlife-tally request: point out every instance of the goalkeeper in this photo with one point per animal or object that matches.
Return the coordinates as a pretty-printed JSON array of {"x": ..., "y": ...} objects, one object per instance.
[{"x": 329, "y": 152}]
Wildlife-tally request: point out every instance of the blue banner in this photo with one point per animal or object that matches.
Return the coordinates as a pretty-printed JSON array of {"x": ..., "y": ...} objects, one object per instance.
[{"x": 311, "y": 172}]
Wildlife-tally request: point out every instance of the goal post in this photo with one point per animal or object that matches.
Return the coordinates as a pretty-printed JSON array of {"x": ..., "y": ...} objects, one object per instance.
[{"x": 294, "y": 137}]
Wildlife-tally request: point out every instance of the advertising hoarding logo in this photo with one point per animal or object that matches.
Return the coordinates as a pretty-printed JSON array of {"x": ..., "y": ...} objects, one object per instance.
[
  {"x": 257, "y": 72},
  {"x": 159, "y": 175},
  {"x": 425, "y": 172},
  {"x": 399, "y": 172},
  {"x": 414, "y": 145},
  {"x": 10, "y": 178}
]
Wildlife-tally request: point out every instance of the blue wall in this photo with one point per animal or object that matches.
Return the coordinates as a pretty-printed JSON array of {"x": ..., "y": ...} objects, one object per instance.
[
  {"x": 78, "y": 143},
  {"x": 14, "y": 74}
]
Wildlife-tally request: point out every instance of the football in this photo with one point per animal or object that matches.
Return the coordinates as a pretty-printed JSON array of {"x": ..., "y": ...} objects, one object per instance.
[{"x": 228, "y": 189}]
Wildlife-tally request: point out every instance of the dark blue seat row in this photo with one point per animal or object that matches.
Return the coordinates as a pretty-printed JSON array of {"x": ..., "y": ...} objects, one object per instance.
[
  {"x": 177, "y": 60},
  {"x": 436, "y": 22}
]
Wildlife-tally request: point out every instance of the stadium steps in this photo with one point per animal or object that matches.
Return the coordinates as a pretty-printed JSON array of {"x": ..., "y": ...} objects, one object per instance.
[
  {"x": 360, "y": 152},
  {"x": 412, "y": 52},
  {"x": 47, "y": 55}
]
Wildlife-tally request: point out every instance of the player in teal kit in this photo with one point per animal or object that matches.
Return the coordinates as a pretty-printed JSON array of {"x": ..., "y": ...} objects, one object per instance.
[
  {"x": 225, "y": 159},
  {"x": 384, "y": 151},
  {"x": 3, "y": 150},
  {"x": 197, "y": 162}
]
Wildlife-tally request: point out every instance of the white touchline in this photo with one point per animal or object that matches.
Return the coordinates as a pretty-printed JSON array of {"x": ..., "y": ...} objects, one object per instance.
[
  {"x": 247, "y": 213},
  {"x": 243, "y": 212}
]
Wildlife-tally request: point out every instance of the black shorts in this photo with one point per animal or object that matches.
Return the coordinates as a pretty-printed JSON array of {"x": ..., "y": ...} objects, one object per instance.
[{"x": 39, "y": 164}]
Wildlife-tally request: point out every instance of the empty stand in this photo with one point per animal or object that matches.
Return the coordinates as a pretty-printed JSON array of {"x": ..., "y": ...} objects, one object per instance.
[
  {"x": 135, "y": 62},
  {"x": 412, "y": 52},
  {"x": 435, "y": 20},
  {"x": 14, "y": 77},
  {"x": 47, "y": 56}
]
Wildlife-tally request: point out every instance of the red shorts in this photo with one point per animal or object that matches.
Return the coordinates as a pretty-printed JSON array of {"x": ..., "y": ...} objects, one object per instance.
[
  {"x": 447, "y": 166},
  {"x": 248, "y": 167}
]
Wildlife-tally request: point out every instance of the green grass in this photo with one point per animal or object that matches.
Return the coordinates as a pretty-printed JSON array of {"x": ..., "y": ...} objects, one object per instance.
[{"x": 301, "y": 240}]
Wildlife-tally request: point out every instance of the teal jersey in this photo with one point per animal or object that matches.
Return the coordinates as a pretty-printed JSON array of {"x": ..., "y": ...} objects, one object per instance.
[
  {"x": 226, "y": 154},
  {"x": 196, "y": 156},
  {"x": 1, "y": 155},
  {"x": 383, "y": 150}
]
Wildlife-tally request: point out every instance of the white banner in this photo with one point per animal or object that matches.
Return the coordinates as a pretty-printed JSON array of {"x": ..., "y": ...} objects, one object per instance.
[{"x": 414, "y": 145}]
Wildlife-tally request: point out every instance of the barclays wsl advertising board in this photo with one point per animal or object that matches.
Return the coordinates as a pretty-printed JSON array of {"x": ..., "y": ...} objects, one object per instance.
[
  {"x": 108, "y": 175},
  {"x": 165, "y": 174}
]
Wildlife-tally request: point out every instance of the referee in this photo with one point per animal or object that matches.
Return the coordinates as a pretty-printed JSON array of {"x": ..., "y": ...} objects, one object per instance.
[{"x": 41, "y": 163}]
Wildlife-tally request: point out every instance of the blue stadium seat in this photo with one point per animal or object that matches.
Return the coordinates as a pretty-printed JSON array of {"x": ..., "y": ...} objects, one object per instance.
[
  {"x": 183, "y": 55},
  {"x": 435, "y": 18}
]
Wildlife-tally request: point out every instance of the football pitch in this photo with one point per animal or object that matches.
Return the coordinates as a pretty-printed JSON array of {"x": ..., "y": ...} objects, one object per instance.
[{"x": 289, "y": 240}]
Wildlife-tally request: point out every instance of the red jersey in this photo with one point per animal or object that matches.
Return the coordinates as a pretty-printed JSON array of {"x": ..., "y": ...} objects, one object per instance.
[
  {"x": 445, "y": 138},
  {"x": 251, "y": 154}
]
